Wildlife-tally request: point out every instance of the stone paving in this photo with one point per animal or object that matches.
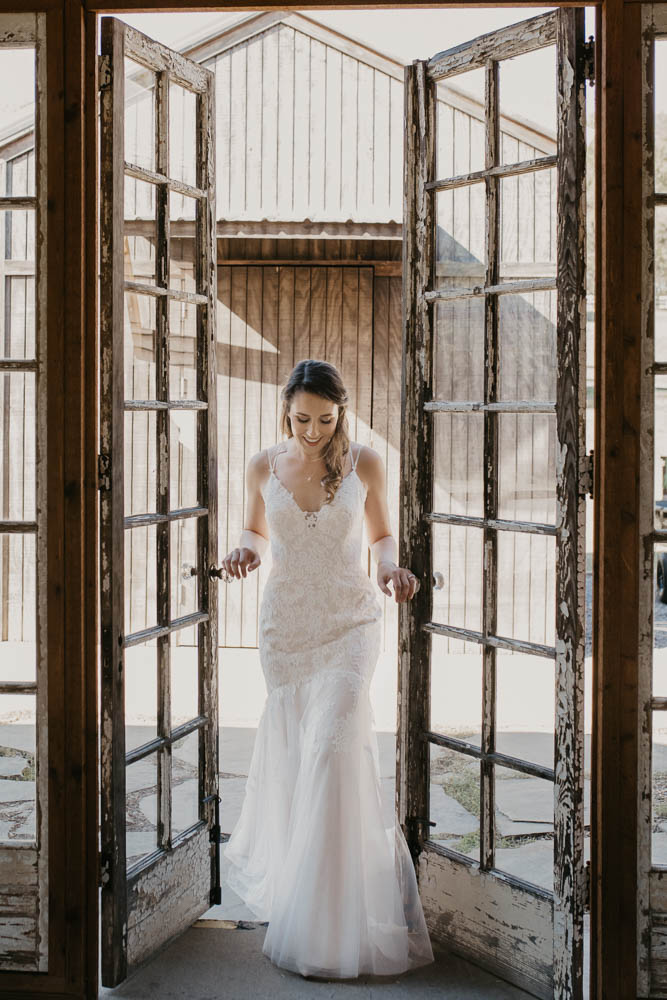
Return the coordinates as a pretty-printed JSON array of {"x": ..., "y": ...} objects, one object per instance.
[{"x": 524, "y": 804}]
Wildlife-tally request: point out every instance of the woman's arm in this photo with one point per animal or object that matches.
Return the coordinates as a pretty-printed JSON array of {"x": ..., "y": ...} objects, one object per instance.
[
  {"x": 254, "y": 538},
  {"x": 382, "y": 542}
]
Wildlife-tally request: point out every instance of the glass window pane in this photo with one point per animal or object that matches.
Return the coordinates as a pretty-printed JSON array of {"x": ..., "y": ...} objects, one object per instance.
[
  {"x": 140, "y": 461},
  {"x": 527, "y": 347},
  {"x": 456, "y": 689},
  {"x": 659, "y": 785},
  {"x": 525, "y": 706},
  {"x": 17, "y": 767},
  {"x": 182, "y": 350},
  {"x": 182, "y": 215},
  {"x": 528, "y": 223},
  {"x": 17, "y": 446},
  {"x": 140, "y": 231},
  {"x": 184, "y": 586},
  {"x": 141, "y": 808},
  {"x": 17, "y": 238},
  {"x": 460, "y": 247},
  {"x": 184, "y": 675},
  {"x": 18, "y": 606},
  {"x": 183, "y": 489},
  {"x": 457, "y": 556},
  {"x": 182, "y": 134},
  {"x": 527, "y": 467},
  {"x": 527, "y": 587},
  {"x": 454, "y": 800},
  {"x": 660, "y": 619},
  {"x": 458, "y": 350},
  {"x": 140, "y": 694},
  {"x": 17, "y": 116},
  {"x": 458, "y": 460},
  {"x": 185, "y": 788},
  {"x": 140, "y": 578},
  {"x": 139, "y": 346},
  {"x": 530, "y": 109},
  {"x": 139, "y": 115},
  {"x": 660, "y": 267},
  {"x": 17, "y": 323},
  {"x": 524, "y": 844},
  {"x": 460, "y": 124}
]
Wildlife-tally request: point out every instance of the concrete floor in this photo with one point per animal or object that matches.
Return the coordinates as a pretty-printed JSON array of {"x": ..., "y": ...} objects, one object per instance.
[{"x": 212, "y": 961}]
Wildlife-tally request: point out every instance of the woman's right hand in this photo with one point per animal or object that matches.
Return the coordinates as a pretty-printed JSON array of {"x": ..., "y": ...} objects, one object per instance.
[{"x": 239, "y": 562}]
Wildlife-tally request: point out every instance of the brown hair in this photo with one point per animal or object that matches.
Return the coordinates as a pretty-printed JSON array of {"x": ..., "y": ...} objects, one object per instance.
[{"x": 321, "y": 379}]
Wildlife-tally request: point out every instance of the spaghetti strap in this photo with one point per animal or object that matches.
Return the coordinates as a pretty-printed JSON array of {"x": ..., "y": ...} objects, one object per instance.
[
  {"x": 272, "y": 458},
  {"x": 355, "y": 460}
]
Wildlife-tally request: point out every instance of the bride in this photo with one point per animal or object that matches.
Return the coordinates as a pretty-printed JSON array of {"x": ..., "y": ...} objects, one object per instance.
[{"x": 310, "y": 852}]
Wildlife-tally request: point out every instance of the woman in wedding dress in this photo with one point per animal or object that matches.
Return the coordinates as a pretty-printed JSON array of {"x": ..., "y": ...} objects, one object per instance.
[{"x": 310, "y": 852}]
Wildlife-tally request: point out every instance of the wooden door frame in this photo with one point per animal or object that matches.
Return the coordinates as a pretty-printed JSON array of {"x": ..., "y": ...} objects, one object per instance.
[{"x": 73, "y": 496}]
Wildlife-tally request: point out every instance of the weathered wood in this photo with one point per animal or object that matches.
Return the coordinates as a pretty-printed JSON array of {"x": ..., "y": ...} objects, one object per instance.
[
  {"x": 490, "y": 471},
  {"x": 497, "y": 170},
  {"x": 162, "y": 904},
  {"x": 569, "y": 875},
  {"x": 501, "y": 288},
  {"x": 502, "y": 759},
  {"x": 489, "y": 640},
  {"x": 153, "y": 177},
  {"x": 473, "y": 406},
  {"x": 517, "y": 39},
  {"x": 480, "y": 932},
  {"x": 114, "y": 903},
  {"x": 499, "y": 524},
  {"x": 414, "y": 544}
]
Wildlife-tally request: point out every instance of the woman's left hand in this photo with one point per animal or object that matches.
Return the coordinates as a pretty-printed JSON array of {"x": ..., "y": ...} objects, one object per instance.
[{"x": 405, "y": 582}]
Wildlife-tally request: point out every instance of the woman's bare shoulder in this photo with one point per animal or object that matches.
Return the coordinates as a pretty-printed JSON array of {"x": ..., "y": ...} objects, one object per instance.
[
  {"x": 258, "y": 467},
  {"x": 370, "y": 466}
]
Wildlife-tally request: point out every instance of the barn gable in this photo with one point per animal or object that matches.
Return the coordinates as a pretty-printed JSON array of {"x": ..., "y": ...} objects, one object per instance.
[{"x": 310, "y": 124}]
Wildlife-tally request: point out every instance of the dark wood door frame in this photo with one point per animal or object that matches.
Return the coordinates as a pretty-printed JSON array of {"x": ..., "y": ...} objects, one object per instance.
[{"x": 73, "y": 492}]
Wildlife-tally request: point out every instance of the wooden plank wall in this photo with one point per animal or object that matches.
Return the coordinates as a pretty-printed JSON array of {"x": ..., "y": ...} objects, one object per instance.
[{"x": 305, "y": 130}]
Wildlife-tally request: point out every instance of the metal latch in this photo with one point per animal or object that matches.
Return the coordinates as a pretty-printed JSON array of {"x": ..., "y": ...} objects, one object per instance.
[
  {"x": 586, "y": 475},
  {"x": 104, "y": 472},
  {"x": 105, "y": 870},
  {"x": 104, "y": 75},
  {"x": 589, "y": 60}
]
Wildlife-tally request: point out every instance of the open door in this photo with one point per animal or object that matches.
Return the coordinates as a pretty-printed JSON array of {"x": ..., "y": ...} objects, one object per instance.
[
  {"x": 158, "y": 513},
  {"x": 492, "y": 504}
]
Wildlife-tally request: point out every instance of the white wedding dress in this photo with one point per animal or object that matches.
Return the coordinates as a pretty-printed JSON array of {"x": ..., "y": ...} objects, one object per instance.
[{"x": 310, "y": 852}]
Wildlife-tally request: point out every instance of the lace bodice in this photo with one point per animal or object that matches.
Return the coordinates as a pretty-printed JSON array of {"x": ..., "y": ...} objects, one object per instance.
[
  {"x": 319, "y": 608},
  {"x": 305, "y": 541}
]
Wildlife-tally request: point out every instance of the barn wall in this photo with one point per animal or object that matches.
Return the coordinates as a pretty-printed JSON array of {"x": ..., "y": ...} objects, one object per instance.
[{"x": 306, "y": 131}]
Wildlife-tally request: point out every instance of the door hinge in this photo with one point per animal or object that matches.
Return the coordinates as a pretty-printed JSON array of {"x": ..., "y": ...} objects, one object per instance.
[
  {"x": 104, "y": 74},
  {"x": 589, "y": 60},
  {"x": 586, "y": 475},
  {"x": 104, "y": 472},
  {"x": 586, "y": 888},
  {"x": 105, "y": 870}
]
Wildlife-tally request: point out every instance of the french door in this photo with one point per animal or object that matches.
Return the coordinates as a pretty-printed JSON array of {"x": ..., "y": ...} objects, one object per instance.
[
  {"x": 492, "y": 501},
  {"x": 157, "y": 479}
]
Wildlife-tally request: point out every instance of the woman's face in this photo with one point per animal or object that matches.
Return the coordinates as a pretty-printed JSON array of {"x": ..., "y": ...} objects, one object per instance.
[{"x": 313, "y": 420}]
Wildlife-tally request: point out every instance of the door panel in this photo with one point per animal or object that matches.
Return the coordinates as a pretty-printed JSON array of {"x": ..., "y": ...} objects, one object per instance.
[
  {"x": 158, "y": 498},
  {"x": 492, "y": 513}
]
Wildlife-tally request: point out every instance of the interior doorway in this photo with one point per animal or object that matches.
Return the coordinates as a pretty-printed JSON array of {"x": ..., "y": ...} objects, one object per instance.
[{"x": 275, "y": 277}]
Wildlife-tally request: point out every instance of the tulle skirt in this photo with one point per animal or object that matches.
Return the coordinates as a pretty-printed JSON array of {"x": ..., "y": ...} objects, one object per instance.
[{"x": 310, "y": 852}]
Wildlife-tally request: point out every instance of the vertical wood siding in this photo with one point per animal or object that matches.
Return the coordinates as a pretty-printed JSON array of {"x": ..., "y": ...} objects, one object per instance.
[{"x": 305, "y": 131}]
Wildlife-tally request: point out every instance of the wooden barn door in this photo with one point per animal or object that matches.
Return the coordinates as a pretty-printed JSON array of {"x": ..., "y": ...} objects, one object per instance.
[
  {"x": 492, "y": 506},
  {"x": 158, "y": 509}
]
